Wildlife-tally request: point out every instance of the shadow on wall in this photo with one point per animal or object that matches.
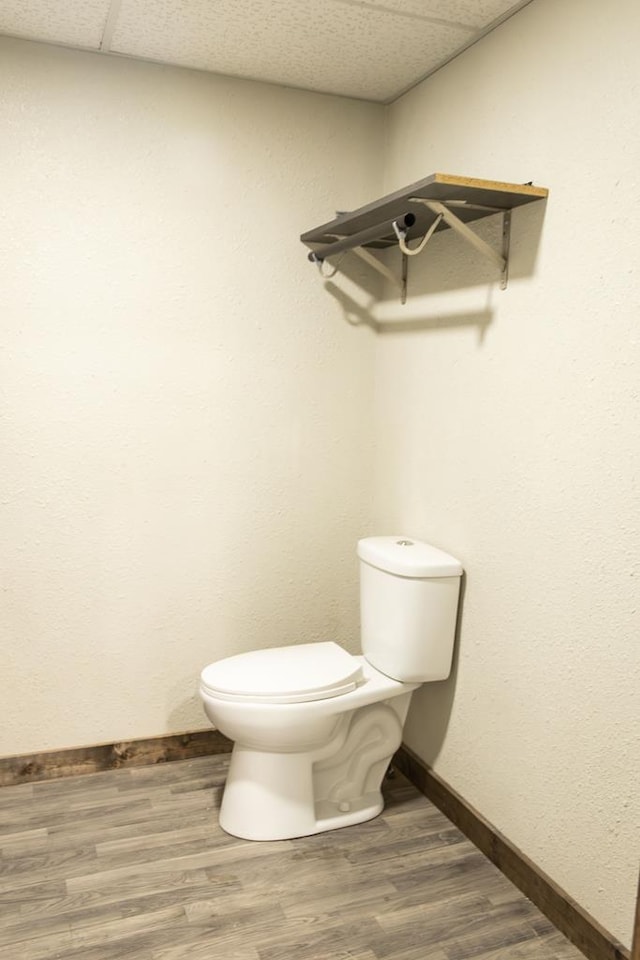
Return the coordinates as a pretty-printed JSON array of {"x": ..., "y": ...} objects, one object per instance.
[
  {"x": 447, "y": 265},
  {"x": 181, "y": 715},
  {"x": 432, "y": 703}
]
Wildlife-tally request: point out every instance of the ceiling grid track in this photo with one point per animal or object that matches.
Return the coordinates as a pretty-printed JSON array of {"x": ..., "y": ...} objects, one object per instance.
[
  {"x": 409, "y": 15},
  {"x": 479, "y": 34},
  {"x": 110, "y": 26}
]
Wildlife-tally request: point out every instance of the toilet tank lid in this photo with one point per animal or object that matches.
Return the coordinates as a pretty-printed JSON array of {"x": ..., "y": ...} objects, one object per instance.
[{"x": 407, "y": 557}]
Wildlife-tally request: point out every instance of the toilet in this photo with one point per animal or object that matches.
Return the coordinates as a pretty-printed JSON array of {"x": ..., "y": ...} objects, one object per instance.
[{"x": 315, "y": 727}]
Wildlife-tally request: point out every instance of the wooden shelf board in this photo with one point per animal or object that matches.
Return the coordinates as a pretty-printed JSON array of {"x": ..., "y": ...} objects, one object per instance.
[{"x": 439, "y": 186}]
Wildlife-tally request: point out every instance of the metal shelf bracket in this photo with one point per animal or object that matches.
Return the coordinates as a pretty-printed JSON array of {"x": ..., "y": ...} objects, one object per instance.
[
  {"x": 442, "y": 212},
  {"x": 372, "y": 261}
]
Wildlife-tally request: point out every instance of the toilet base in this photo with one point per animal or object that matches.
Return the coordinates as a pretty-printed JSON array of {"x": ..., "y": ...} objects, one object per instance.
[
  {"x": 366, "y": 808},
  {"x": 279, "y": 796},
  {"x": 280, "y": 805}
]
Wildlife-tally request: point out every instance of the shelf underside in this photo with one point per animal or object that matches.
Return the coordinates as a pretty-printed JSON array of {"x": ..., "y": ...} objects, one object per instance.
[{"x": 470, "y": 199}]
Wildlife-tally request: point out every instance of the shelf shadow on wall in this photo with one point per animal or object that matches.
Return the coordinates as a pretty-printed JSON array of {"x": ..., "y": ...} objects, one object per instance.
[
  {"x": 431, "y": 319},
  {"x": 447, "y": 272},
  {"x": 480, "y": 318}
]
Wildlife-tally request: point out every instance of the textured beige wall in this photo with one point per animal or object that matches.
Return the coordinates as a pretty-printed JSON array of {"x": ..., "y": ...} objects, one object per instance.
[
  {"x": 186, "y": 435},
  {"x": 508, "y": 434},
  {"x": 187, "y": 430}
]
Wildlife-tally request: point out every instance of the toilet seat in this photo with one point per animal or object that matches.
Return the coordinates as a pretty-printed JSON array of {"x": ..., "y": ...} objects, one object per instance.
[{"x": 296, "y": 674}]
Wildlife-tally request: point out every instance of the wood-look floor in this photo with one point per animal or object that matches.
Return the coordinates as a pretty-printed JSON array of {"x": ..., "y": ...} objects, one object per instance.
[{"x": 132, "y": 864}]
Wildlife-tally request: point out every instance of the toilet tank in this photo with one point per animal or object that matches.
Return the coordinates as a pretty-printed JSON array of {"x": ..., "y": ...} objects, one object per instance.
[{"x": 408, "y": 607}]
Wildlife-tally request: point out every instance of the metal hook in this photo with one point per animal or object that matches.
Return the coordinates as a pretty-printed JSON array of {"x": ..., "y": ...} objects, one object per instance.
[
  {"x": 401, "y": 234},
  {"x": 319, "y": 262}
]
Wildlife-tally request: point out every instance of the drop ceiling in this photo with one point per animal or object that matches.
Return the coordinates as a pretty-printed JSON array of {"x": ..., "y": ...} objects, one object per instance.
[{"x": 370, "y": 49}]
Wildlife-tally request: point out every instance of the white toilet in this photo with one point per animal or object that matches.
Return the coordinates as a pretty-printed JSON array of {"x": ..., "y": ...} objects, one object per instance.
[{"x": 315, "y": 727}]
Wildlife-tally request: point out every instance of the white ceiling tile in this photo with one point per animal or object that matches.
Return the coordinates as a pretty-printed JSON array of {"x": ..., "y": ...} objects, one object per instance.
[
  {"x": 374, "y": 49},
  {"x": 77, "y": 23},
  {"x": 333, "y": 46}
]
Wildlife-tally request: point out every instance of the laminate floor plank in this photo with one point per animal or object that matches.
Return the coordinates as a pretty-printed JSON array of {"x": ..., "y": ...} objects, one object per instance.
[
  {"x": 76, "y": 910},
  {"x": 22, "y": 790},
  {"x": 203, "y": 951},
  {"x": 131, "y": 864},
  {"x": 46, "y": 864},
  {"x": 64, "y": 815},
  {"x": 304, "y": 937},
  {"x": 68, "y": 786},
  {"x": 328, "y": 902},
  {"x": 526, "y": 950},
  {"x": 136, "y": 843},
  {"x": 446, "y": 914},
  {"x": 11, "y": 844},
  {"x": 137, "y": 826}
]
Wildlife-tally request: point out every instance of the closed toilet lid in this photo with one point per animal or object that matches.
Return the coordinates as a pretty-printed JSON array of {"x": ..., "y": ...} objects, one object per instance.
[{"x": 308, "y": 671}]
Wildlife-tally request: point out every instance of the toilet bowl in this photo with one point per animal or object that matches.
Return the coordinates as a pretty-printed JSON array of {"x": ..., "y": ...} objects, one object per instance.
[
  {"x": 301, "y": 766},
  {"x": 315, "y": 727}
]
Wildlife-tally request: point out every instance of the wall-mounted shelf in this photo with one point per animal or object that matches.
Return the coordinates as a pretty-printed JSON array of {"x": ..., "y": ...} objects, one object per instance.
[{"x": 416, "y": 213}]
